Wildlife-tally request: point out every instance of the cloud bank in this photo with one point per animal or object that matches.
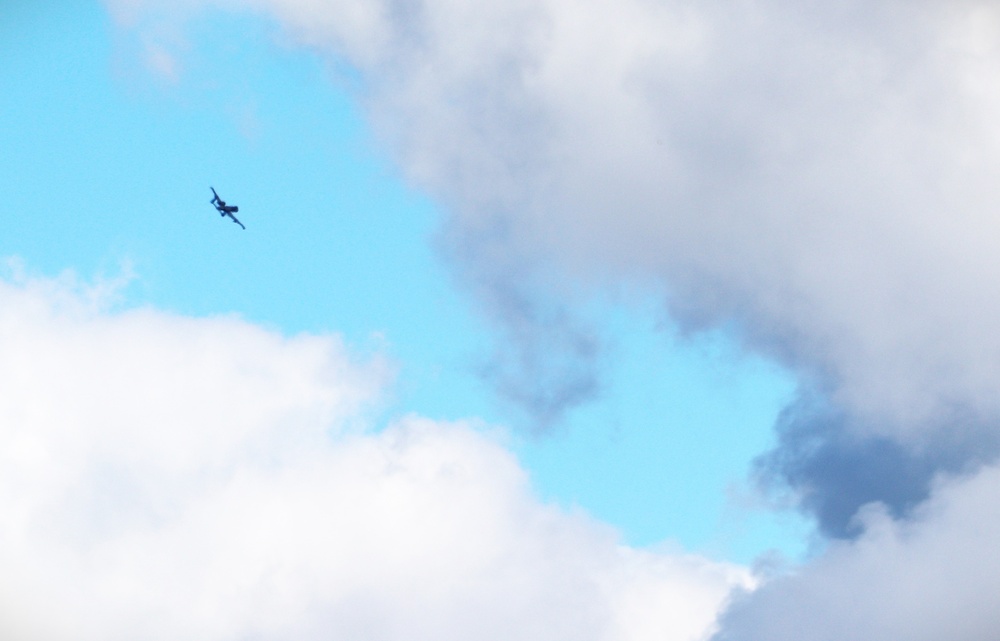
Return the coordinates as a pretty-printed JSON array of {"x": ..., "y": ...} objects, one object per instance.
[
  {"x": 899, "y": 580},
  {"x": 164, "y": 477},
  {"x": 818, "y": 178}
]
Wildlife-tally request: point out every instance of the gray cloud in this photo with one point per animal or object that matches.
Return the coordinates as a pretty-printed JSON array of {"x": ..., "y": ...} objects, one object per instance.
[
  {"x": 546, "y": 358},
  {"x": 833, "y": 468},
  {"x": 934, "y": 576},
  {"x": 545, "y": 364}
]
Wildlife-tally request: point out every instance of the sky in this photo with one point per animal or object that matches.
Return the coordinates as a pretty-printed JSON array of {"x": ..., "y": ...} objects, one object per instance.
[{"x": 586, "y": 320}]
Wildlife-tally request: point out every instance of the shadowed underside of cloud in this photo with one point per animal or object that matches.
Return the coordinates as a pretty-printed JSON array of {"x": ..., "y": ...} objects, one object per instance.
[
  {"x": 833, "y": 468},
  {"x": 164, "y": 477}
]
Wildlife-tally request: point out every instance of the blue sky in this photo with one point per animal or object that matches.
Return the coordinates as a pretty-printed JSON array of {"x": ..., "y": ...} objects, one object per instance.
[
  {"x": 554, "y": 321},
  {"x": 109, "y": 166}
]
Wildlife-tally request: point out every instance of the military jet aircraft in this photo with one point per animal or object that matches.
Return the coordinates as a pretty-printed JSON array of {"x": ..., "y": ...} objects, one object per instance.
[{"x": 224, "y": 209}]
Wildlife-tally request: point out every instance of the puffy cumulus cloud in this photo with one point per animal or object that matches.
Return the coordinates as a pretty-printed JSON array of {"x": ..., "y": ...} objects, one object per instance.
[
  {"x": 164, "y": 477},
  {"x": 898, "y": 581}
]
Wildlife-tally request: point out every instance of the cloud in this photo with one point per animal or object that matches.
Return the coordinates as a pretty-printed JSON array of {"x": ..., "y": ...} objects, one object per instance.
[
  {"x": 166, "y": 477},
  {"x": 547, "y": 356},
  {"x": 818, "y": 178},
  {"x": 906, "y": 580},
  {"x": 832, "y": 469}
]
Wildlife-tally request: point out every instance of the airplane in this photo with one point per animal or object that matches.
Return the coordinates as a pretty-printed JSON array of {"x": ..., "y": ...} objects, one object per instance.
[{"x": 224, "y": 209}]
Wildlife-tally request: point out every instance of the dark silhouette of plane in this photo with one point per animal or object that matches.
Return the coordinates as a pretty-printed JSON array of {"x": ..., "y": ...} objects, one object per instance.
[{"x": 224, "y": 209}]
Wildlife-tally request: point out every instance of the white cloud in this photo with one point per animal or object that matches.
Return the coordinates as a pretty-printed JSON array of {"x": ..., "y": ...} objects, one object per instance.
[{"x": 164, "y": 477}]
